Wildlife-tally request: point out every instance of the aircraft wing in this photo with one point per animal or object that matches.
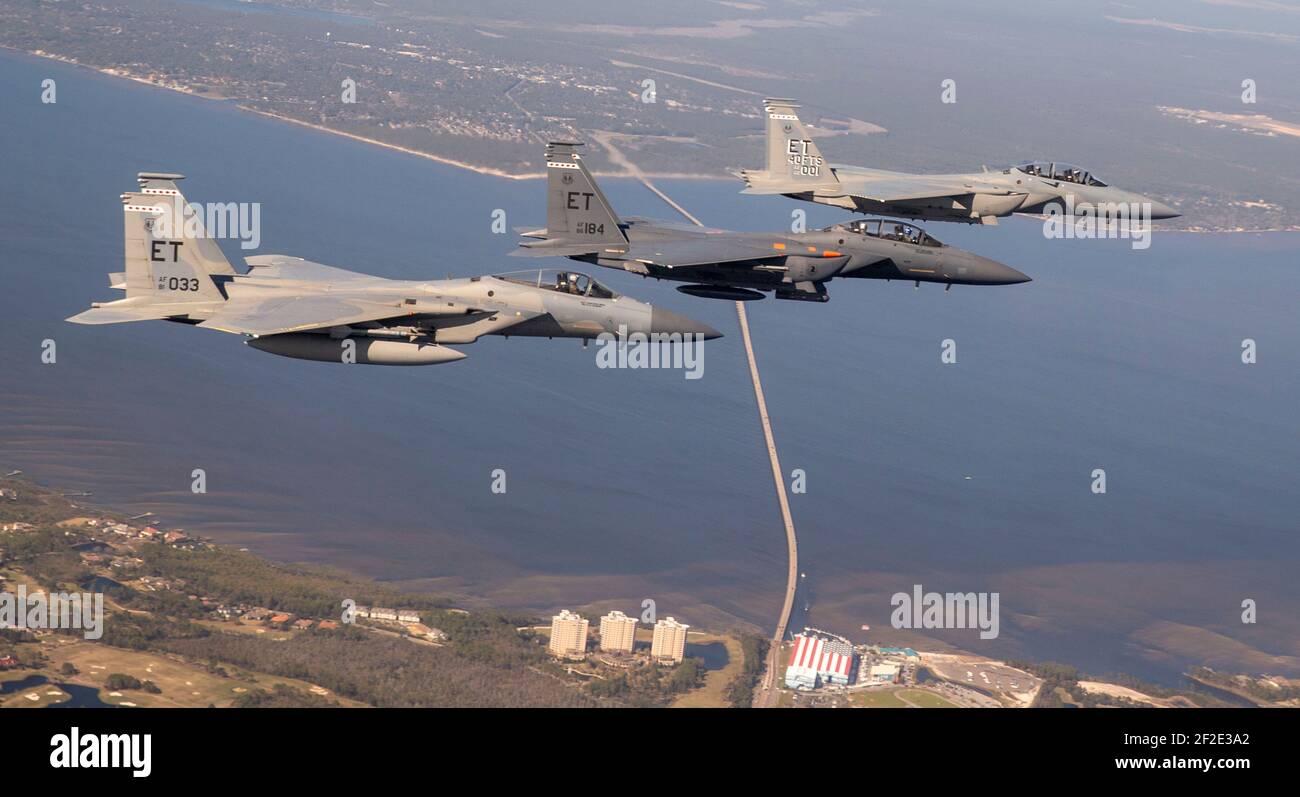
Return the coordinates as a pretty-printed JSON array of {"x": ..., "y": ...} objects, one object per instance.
[
  {"x": 279, "y": 314},
  {"x": 705, "y": 250},
  {"x": 905, "y": 189},
  {"x": 697, "y": 250},
  {"x": 295, "y": 268}
]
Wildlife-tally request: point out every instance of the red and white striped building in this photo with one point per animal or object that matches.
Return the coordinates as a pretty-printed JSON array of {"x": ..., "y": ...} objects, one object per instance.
[{"x": 817, "y": 659}]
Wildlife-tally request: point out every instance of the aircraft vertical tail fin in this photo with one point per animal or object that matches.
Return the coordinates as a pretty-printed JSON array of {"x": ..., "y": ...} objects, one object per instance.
[
  {"x": 169, "y": 256},
  {"x": 577, "y": 212},
  {"x": 794, "y": 164},
  {"x": 171, "y": 264}
]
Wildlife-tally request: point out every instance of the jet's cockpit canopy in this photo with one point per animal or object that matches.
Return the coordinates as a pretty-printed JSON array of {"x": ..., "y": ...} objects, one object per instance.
[
  {"x": 889, "y": 230},
  {"x": 1065, "y": 172},
  {"x": 561, "y": 281}
]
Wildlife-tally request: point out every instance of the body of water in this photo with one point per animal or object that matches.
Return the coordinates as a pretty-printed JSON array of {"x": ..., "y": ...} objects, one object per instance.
[
  {"x": 627, "y": 485},
  {"x": 78, "y": 696}
]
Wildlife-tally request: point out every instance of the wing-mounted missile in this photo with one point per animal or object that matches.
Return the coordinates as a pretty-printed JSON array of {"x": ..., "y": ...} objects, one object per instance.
[{"x": 470, "y": 328}]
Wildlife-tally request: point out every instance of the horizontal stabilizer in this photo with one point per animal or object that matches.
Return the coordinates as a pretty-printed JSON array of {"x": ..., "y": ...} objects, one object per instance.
[
  {"x": 767, "y": 183},
  {"x": 560, "y": 248},
  {"x": 127, "y": 310}
]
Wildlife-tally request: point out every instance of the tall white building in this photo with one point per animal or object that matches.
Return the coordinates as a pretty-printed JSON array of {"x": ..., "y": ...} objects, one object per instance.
[
  {"x": 568, "y": 635},
  {"x": 617, "y": 632},
  {"x": 670, "y": 641}
]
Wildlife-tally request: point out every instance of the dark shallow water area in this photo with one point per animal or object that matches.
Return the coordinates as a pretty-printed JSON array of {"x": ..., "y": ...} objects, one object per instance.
[{"x": 79, "y": 696}]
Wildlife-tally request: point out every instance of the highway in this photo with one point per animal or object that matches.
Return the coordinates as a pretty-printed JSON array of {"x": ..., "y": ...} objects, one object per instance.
[{"x": 766, "y": 697}]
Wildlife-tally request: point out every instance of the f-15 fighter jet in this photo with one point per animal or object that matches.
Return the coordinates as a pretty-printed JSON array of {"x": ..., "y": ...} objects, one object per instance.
[
  {"x": 795, "y": 168},
  {"x": 297, "y": 308},
  {"x": 721, "y": 264}
]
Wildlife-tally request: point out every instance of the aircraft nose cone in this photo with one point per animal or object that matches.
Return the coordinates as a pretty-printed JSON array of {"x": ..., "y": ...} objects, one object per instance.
[
  {"x": 984, "y": 271},
  {"x": 668, "y": 322},
  {"x": 1160, "y": 210},
  {"x": 1012, "y": 277}
]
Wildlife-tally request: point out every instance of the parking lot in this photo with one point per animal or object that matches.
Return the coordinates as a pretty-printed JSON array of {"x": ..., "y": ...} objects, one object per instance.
[{"x": 990, "y": 677}]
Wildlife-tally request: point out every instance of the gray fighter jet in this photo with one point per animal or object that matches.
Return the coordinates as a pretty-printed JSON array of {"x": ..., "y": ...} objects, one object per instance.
[
  {"x": 796, "y": 168},
  {"x": 582, "y": 225},
  {"x": 297, "y": 308}
]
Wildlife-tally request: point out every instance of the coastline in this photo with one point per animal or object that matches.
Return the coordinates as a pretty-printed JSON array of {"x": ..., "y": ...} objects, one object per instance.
[
  {"x": 944, "y": 663},
  {"x": 472, "y": 167},
  {"x": 419, "y": 153},
  {"x": 405, "y": 150}
]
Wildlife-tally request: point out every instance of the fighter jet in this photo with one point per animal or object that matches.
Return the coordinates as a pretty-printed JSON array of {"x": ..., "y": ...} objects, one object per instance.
[
  {"x": 297, "y": 308},
  {"x": 795, "y": 168},
  {"x": 720, "y": 264}
]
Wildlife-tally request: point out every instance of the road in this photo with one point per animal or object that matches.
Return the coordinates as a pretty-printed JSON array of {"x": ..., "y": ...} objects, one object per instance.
[
  {"x": 767, "y": 691},
  {"x": 767, "y": 694}
]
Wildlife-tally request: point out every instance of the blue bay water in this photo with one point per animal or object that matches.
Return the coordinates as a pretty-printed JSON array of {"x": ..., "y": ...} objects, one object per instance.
[{"x": 626, "y": 485}]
